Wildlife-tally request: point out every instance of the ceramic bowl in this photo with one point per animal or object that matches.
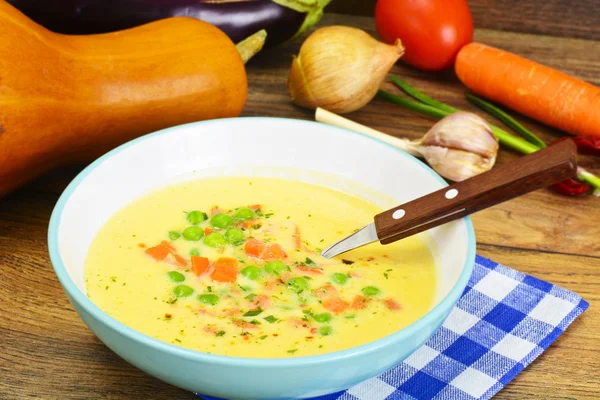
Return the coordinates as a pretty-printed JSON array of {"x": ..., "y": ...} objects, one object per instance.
[{"x": 252, "y": 146}]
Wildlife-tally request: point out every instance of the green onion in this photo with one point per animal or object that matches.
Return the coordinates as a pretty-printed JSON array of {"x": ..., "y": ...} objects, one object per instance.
[
  {"x": 270, "y": 319},
  {"x": 422, "y": 97},
  {"x": 507, "y": 119},
  {"x": 253, "y": 313}
]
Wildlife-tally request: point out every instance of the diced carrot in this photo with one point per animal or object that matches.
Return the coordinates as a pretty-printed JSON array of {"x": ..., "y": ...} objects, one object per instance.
[
  {"x": 216, "y": 210},
  {"x": 254, "y": 248},
  {"x": 249, "y": 224},
  {"x": 211, "y": 329},
  {"x": 300, "y": 323},
  {"x": 360, "y": 302},
  {"x": 160, "y": 251},
  {"x": 200, "y": 265},
  {"x": 255, "y": 207},
  {"x": 207, "y": 230},
  {"x": 314, "y": 271},
  {"x": 261, "y": 301},
  {"x": 392, "y": 304},
  {"x": 336, "y": 304},
  {"x": 225, "y": 270},
  {"x": 244, "y": 324},
  {"x": 179, "y": 261},
  {"x": 325, "y": 291},
  {"x": 274, "y": 252},
  {"x": 232, "y": 312},
  {"x": 297, "y": 239}
]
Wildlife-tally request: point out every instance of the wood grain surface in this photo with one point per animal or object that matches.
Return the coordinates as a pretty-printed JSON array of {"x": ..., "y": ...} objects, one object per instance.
[{"x": 48, "y": 353}]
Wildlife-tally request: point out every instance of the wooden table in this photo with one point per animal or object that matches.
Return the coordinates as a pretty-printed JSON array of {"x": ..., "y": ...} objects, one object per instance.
[{"x": 47, "y": 352}]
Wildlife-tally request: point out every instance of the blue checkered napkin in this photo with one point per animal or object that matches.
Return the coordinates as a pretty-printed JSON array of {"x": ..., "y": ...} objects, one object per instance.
[{"x": 502, "y": 322}]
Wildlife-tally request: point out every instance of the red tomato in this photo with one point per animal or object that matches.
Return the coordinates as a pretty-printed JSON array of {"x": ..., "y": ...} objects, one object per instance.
[{"x": 432, "y": 31}]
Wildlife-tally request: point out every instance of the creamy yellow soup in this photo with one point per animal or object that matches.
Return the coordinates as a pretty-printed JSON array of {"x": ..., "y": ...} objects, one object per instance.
[{"x": 232, "y": 266}]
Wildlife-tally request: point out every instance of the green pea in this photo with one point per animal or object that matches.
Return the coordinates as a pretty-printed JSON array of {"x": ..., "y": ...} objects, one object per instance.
[
  {"x": 174, "y": 235},
  {"x": 215, "y": 240},
  {"x": 244, "y": 214},
  {"x": 297, "y": 284},
  {"x": 194, "y": 252},
  {"x": 176, "y": 276},
  {"x": 182, "y": 291},
  {"x": 276, "y": 267},
  {"x": 370, "y": 291},
  {"x": 221, "y": 221},
  {"x": 195, "y": 217},
  {"x": 339, "y": 278},
  {"x": 234, "y": 236},
  {"x": 193, "y": 233},
  {"x": 251, "y": 272},
  {"x": 324, "y": 317},
  {"x": 211, "y": 299},
  {"x": 325, "y": 330}
]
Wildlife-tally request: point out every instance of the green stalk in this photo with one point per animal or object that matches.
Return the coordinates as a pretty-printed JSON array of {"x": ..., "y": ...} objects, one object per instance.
[
  {"x": 589, "y": 179},
  {"x": 507, "y": 119},
  {"x": 504, "y": 137},
  {"x": 422, "y": 97}
]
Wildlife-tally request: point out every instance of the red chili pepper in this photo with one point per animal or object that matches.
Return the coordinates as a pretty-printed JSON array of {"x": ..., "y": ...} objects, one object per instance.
[
  {"x": 588, "y": 145},
  {"x": 571, "y": 187}
]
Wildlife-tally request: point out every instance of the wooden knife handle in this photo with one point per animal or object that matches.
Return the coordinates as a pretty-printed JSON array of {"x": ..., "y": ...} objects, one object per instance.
[{"x": 537, "y": 170}]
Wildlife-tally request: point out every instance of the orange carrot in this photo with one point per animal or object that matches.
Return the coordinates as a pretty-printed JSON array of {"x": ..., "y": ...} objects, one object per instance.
[
  {"x": 540, "y": 92},
  {"x": 160, "y": 251},
  {"x": 392, "y": 304},
  {"x": 297, "y": 239},
  {"x": 257, "y": 249},
  {"x": 310, "y": 270},
  {"x": 360, "y": 302},
  {"x": 225, "y": 270},
  {"x": 207, "y": 231},
  {"x": 254, "y": 248},
  {"x": 274, "y": 252},
  {"x": 336, "y": 304},
  {"x": 200, "y": 265}
]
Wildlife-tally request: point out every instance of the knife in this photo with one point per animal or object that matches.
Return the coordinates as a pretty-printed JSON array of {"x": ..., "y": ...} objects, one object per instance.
[{"x": 537, "y": 170}]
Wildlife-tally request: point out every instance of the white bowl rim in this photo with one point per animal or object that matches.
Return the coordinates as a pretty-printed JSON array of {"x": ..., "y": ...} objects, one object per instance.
[{"x": 193, "y": 355}]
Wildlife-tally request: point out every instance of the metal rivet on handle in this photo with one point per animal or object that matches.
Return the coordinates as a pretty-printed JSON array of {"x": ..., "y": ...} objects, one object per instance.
[
  {"x": 398, "y": 214},
  {"x": 452, "y": 193}
]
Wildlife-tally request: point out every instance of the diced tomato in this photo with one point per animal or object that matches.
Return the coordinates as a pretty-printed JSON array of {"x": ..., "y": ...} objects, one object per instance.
[
  {"x": 392, "y": 304},
  {"x": 336, "y": 304},
  {"x": 314, "y": 271},
  {"x": 200, "y": 265},
  {"x": 225, "y": 270},
  {"x": 360, "y": 302},
  {"x": 325, "y": 291}
]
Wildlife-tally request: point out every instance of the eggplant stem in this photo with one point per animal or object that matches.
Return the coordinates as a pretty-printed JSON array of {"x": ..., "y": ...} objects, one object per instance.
[{"x": 251, "y": 45}]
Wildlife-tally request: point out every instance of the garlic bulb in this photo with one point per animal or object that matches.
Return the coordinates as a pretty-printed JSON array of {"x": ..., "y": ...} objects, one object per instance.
[
  {"x": 340, "y": 69},
  {"x": 460, "y": 146},
  {"x": 457, "y": 147}
]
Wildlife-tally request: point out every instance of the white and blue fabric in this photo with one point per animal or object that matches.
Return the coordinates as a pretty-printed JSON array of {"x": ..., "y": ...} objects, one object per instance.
[{"x": 502, "y": 322}]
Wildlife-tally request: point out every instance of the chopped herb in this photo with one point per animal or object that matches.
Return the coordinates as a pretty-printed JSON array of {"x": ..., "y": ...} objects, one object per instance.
[
  {"x": 351, "y": 316},
  {"x": 288, "y": 217},
  {"x": 321, "y": 241},
  {"x": 386, "y": 275},
  {"x": 253, "y": 313},
  {"x": 347, "y": 262},
  {"x": 270, "y": 319},
  {"x": 256, "y": 226},
  {"x": 245, "y": 288},
  {"x": 124, "y": 283},
  {"x": 320, "y": 346},
  {"x": 309, "y": 262},
  {"x": 310, "y": 215},
  {"x": 250, "y": 296},
  {"x": 307, "y": 277},
  {"x": 113, "y": 278},
  {"x": 177, "y": 340},
  {"x": 220, "y": 333},
  {"x": 268, "y": 215},
  {"x": 263, "y": 337},
  {"x": 255, "y": 322},
  {"x": 241, "y": 261},
  {"x": 172, "y": 300},
  {"x": 106, "y": 288},
  {"x": 209, "y": 288},
  {"x": 292, "y": 351}
]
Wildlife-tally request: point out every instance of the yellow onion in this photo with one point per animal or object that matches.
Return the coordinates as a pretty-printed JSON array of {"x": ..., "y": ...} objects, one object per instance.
[{"x": 340, "y": 69}]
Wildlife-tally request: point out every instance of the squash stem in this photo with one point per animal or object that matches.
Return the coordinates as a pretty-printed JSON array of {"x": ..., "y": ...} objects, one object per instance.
[{"x": 250, "y": 46}]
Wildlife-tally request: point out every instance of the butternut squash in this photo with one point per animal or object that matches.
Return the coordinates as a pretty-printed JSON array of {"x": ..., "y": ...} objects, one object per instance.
[{"x": 69, "y": 99}]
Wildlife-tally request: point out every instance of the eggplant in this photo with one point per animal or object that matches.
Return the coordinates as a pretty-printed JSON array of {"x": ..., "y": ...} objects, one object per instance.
[{"x": 282, "y": 19}]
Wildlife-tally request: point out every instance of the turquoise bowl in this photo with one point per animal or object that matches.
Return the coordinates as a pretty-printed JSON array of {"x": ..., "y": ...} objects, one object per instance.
[{"x": 300, "y": 150}]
